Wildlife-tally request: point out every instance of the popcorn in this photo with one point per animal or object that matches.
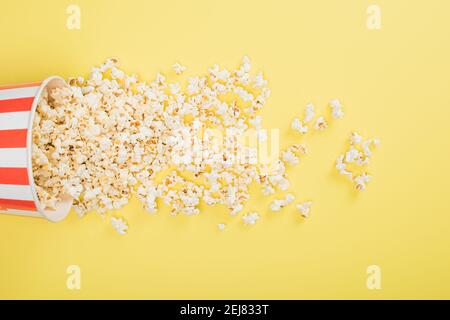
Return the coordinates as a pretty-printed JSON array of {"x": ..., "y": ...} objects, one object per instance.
[
  {"x": 219, "y": 75},
  {"x": 290, "y": 158},
  {"x": 299, "y": 126},
  {"x": 278, "y": 204},
  {"x": 256, "y": 122},
  {"x": 320, "y": 124},
  {"x": 304, "y": 208},
  {"x": 221, "y": 226},
  {"x": 352, "y": 155},
  {"x": 119, "y": 225},
  {"x": 367, "y": 144},
  {"x": 250, "y": 218},
  {"x": 358, "y": 155},
  {"x": 107, "y": 137},
  {"x": 309, "y": 113},
  {"x": 243, "y": 94},
  {"x": 178, "y": 68},
  {"x": 111, "y": 136},
  {"x": 361, "y": 181},
  {"x": 355, "y": 138},
  {"x": 174, "y": 88},
  {"x": 342, "y": 167},
  {"x": 291, "y": 154},
  {"x": 259, "y": 81},
  {"x": 336, "y": 109},
  {"x": 298, "y": 149},
  {"x": 194, "y": 85},
  {"x": 236, "y": 209}
]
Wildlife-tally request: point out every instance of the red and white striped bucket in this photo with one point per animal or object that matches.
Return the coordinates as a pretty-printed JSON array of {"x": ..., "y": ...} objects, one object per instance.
[{"x": 17, "y": 190}]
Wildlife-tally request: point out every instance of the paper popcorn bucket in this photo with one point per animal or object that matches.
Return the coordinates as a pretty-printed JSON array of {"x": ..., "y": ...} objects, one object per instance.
[{"x": 17, "y": 189}]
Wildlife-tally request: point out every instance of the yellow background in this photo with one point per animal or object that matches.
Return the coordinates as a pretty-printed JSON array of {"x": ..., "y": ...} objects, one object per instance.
[{"x": 394, "y": 84}]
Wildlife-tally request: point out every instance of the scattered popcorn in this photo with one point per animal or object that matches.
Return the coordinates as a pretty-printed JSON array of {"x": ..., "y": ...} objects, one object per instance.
[
  {"x": 179, "y": 69},
  {"x": 309, "y": 113},
  {"x": 342, "y": 167},
  {"x": 367, "y": 144},
  {"x": 320, "y": 124},
  {"x": 290, "y": 158},
  {"x": 299, "y": 126},
  {"x": 291, "y": 154},
  {"x": 278, "y": 204},
  {"x": 221, "y": 226},
  {"x": 119, "y": 225},
  {"x": 361, "y": 181},
  {"x": 259, "y": 81},
  {"x": 289, "y": 198},
  {"x": 250, "y": 218},
  {"x": 357, "y": 156},
  {"x": 352, "y": 155},
  {"x": 304, "y": 208},
  {"x": 336, "y": 109},
  {"x": 355, "y": 138},
  {"x": 298, "y": 149},
  {"x": 277, "y": 176},
  {"x": 110, "y": 136}
]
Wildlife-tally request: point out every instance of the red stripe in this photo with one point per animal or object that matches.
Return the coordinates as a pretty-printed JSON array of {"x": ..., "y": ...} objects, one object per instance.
[
  {"x": 18, "y": 176},
  {"x": 14, "y": 105},
  {"x": 22, "y": 85},
  {"x": 13, "y": 138},
  {"x": 27, "y": 205}
]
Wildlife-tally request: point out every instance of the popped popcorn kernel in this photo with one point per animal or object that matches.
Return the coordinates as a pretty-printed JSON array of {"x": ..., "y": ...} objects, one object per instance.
[
  {"x": 304, "y": 208},
  {"x": 250, "y": 218},
  {"x": 278, "y": 204},
  {"x": 291, "y": 155},
  {"x": 336, "y": 109},
  {"x": 178, "y": 68},
  {"x": 119, "y": 225},
  {"x": 309, "y": 113},
  {"x": 320, "y": 124},
  {"x": 297, "y": 125}
]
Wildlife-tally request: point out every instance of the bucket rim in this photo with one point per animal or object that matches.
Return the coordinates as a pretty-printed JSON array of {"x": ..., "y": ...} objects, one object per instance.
[{"x": 58, "y": 215}]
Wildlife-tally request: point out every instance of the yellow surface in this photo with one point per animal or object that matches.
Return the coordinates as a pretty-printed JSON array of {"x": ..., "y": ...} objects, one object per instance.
[{"x": 394, "y": 83}]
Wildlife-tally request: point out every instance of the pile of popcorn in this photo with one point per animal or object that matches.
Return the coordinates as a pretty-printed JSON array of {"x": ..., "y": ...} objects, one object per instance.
[{"x": 104, "y": 139}]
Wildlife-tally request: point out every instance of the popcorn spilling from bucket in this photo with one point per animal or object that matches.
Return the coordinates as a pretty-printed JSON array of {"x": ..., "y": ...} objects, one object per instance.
[{"x": 104, "y": 139}]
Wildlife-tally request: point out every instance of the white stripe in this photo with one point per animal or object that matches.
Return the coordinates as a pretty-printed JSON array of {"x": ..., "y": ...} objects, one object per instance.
[
  {"x": 13, "y": 157},
  {"x": 18, "y": 93},
  {"x": 14, "y": 120},
  {"x": 15, "y": 192},
  {"x": 22, "y": 213}
]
